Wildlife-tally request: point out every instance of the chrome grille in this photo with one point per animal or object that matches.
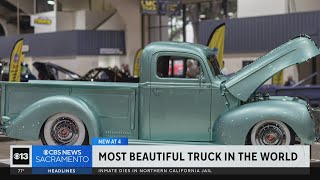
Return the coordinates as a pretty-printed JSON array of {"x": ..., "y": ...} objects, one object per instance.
[{"x": 315, "y": 114}]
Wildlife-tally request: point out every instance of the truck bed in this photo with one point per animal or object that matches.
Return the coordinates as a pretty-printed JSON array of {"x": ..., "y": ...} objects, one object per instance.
[{"x": 113, "y": 103}]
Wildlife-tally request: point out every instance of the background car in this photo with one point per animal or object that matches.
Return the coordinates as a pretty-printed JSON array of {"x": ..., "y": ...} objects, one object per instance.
[
  {"x": 301, "y": 89},
  {"x": 50, "y": 71},
  {"x": 101, "y": 74},
  {"x": 107, "y": 75}
]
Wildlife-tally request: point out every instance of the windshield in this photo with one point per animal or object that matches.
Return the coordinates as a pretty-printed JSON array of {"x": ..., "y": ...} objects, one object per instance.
[
  {"x": 214, "y": 66},
  {"x": 61, "y": 73},
  {"x": 91, "y": 74}
]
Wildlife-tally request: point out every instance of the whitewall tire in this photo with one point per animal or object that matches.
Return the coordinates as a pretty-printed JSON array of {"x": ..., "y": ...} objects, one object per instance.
[
  {"x": 271, "y": 132},
  {"x": 63, "y": 129}
]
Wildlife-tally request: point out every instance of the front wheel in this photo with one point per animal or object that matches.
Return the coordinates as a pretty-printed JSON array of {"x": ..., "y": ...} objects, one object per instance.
[
  {"x": 63, "y": 129},
  {"x": 271, "y": 132}
]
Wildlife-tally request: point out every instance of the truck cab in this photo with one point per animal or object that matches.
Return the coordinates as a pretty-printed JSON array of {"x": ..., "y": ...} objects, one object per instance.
[{"x": 179, "y": 105}]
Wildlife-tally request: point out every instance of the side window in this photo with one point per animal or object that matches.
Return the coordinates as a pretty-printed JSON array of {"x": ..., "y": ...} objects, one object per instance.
[
  {"x": 55, "y": 73},
  {"x": 24, "y": 69},
  {"x": 177, "y": 67}
]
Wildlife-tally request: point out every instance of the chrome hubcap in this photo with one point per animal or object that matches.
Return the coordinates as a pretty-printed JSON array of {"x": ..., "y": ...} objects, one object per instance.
[
  {"x": 64, "y": 131},
  {"x": 270, "y": 133}
]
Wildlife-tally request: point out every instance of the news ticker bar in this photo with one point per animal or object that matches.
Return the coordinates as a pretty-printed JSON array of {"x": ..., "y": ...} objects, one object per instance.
[
  {"x": 163, "y": 171},
  {"x": 114, "y": 155}
]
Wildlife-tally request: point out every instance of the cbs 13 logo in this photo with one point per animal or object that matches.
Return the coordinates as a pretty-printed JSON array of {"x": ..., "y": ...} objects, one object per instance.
[{"x": 20, "y": 156}]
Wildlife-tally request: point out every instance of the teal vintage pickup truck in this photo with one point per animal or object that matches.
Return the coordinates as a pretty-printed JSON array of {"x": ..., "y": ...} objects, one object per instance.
[{"x": 194, "y": 105}]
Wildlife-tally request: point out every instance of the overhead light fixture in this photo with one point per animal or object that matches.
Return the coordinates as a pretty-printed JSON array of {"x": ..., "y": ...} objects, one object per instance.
[{"x": 51, "y": 2}]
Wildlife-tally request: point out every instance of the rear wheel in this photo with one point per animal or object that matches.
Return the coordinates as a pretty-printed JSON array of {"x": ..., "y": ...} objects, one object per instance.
[
  {"x": 271, "y": 132},
  {"x": 64, "y": 129}
]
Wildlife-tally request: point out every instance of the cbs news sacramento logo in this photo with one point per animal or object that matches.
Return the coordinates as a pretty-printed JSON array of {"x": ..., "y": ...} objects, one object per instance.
[{"x": 21, "y": 156}]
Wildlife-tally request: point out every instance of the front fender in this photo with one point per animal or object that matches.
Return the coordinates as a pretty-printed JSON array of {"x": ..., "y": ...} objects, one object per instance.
[
  {"x": 233, "y": 126},
  {"x": 28, "y": 123}
]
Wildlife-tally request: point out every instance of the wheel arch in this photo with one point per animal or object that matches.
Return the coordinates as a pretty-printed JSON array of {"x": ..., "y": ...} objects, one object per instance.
[
  {"x": 234, "y": 126},
  {"x": 37, "y": 113}
]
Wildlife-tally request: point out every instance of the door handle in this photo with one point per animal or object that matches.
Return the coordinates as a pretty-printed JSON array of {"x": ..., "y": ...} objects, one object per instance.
[{"x": 156, "y": 91}]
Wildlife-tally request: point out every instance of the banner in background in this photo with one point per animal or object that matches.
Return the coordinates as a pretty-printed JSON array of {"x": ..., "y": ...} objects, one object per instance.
[
  {"x": 149, "y": 6},
  {"x": 169, "y": 7},
  {"x": 43, "y": 20},
  {"x": 160, "y": 7},
  {"x": 216, "y": 42},
  {"x": 136, "y": 66},
  {"x": 15, "y": 61},
  {"x": 277, "y": 79}
]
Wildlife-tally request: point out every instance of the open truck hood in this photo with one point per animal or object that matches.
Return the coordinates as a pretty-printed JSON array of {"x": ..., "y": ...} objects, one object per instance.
[{"x": 246, "y": 81}]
